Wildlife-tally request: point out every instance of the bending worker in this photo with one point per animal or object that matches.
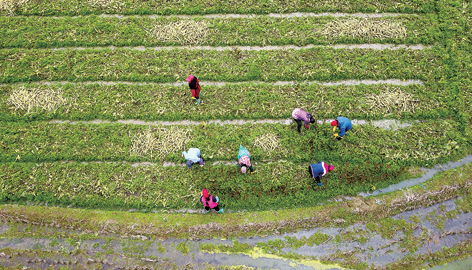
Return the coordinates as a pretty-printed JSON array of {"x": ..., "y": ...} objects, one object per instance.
[
  {"x": 344, "y": 124},
  {"x": 193, "y": 156},
  {"x": 319, "y": 170},
  {"x": 195, "y": 88},
  {"x": 300, "y": 115},
  {"x": 244, "y": 159},
  {"x": 210, "y": 202}
]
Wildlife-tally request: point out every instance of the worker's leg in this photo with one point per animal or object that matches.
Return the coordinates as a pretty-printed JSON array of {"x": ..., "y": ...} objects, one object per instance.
[
  {"x": 217, "y": 208},
  {"x": 299, "y": 125},
  {"x": 193, "y": 91},
  {"x": 309, "y": 170},
  {"x": 197, "y": 93},
  {"x": 318, "y": 181}
]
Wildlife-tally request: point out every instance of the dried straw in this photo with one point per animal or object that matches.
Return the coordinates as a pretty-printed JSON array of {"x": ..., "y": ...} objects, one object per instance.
[
  {"x": 185, "y": 32},
  {"x": 392, "y": 101},
  {"x": 159, "y": 142},
  {"x": 114, "y": 5},
  {"x": 12, "y": 6},
  {"x": 267, "y": 142},
  {"x": 31, "y": 100},
  {"x": 364, "y": 28}
]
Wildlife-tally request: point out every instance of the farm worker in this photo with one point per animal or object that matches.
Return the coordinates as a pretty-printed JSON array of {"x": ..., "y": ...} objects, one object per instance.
[
  {"x": 210, "y": 201},
  {"x": 195, "y": 88},
  {"x": 343, "y": 124},
  {"x": 193, "y": 156},
  {"x": 244, "y": 159},
  {"x": 319, "y": 170},
  {"x": 299, "y": 116}
]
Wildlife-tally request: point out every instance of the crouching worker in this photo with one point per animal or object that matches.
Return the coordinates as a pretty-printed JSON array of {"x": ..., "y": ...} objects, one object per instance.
[
  {"x": 299, "y": 116},
  {"x": 244, "y": 159},
  {"x": 195, "y": 88},
  {"x": 193, "y": 156},
  {"x": 344, "y": 125},
  {"x": 319, "y": 170},
  {"x": 210, "y": 202}
]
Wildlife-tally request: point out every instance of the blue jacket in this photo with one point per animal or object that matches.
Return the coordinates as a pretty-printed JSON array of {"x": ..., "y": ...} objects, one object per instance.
[
  {"x": 344, "y": 125},
  {"x": 318, "y": 169}
]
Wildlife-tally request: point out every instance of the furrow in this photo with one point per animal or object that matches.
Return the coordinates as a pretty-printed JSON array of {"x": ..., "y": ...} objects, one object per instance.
[
  {"x": 257, "y": 48},
  {"x": 224, "y": 83},
  {"x": 387, "y": 124}
]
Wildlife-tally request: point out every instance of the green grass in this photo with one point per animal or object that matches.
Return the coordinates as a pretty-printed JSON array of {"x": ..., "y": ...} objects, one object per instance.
[
  {"x": 232, "y": 101},
  {"x": 421, "y": 144},
  {"x": 165, "y": 225},
  {"x": 136, "y": 31},
  {"x": 324, "y": 64},
  {"x": 273, "y": 185},
  {"x": 121, "y": 186},
  {"x": 76, "y": 7}
]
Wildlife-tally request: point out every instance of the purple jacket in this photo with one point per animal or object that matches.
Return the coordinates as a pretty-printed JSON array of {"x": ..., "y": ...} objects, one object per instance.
[{"x": 300, "y": 114}]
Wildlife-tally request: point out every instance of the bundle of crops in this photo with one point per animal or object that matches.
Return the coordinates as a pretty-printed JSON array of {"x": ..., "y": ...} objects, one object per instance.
[
  {"x": 392, "y": 101},
  {"x": 185, "y": 32},
  {"x": 267, "y": 142},
  {"x": 31, "y": 100},
  {"x": 12, "y": 6},
  {"x": 364, "y": 28},
  {"x": 112, "y": 5},
  {"x": 159, "y": 142}
]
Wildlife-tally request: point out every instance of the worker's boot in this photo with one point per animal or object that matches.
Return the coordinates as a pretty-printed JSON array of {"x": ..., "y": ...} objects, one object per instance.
[{"x": 222, "y": 210}]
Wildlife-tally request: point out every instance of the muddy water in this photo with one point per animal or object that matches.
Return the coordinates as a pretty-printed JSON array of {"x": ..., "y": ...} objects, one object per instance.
[
  {"x": 430, "y": 235},
  {"x": 429, "y": 173}
]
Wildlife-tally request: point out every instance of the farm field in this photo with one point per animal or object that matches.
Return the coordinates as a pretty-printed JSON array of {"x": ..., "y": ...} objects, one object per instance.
[{"x": 95, "y": 112}]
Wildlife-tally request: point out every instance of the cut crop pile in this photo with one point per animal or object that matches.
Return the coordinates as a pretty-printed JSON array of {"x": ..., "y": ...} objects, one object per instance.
[
  {"x": 392, "y": 101},
  {"x": 159, "y": 142},
  {"x": 364, "y": 28},
  {"x": 185, "y": 32},
  {"x": 109, "y": 5},
  {"x": 31, "y": 100},
  {"x": 10, "y": 7},
  {"x": 267, "y": 142}
]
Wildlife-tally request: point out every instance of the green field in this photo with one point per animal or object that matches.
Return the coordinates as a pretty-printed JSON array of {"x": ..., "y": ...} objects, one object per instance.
[
  {"x": 95, "y": 112},
  {"x": 48, "y": 73}
]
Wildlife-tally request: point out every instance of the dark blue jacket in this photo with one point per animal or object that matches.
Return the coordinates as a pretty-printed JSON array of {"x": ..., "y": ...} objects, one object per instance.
[
  {"x": 344, "y": 125},
  {"x": 318, "y": 169}
]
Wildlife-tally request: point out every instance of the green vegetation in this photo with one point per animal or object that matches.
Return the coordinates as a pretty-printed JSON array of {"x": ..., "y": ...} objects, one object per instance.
[
  {"x": 237, "y": 247},
  {"x": 324, "y": 64},
  {"x": 442, "y": 187},
  {"x": 421, "y": 144},
  {"x": 232, "y": 101},
  {"x": 165, "y": 7},
  {"x": 183, "y": 247},
  {"x": 138, "y": 31}
]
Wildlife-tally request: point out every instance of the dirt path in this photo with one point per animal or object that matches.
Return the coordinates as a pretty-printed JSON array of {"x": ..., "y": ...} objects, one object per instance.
[
  {"x": 254, "y": 48},
  {"x": 387, "y": 124},
  {"x": 273, "y": 15}
]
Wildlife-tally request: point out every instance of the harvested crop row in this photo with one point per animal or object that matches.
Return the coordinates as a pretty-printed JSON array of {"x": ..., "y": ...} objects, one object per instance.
[
  {"x": 232, "y": 101},
  {"x": 323, "y": 64},
  {"x": 123, "y": 186},
  {"x": 420, "y": 144},
  {"x": 260, "y": 31},
  {"x": 166, "y": 7}
]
